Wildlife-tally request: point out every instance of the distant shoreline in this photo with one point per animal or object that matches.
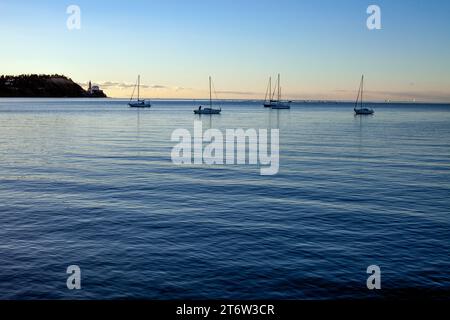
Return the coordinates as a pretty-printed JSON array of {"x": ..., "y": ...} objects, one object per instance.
[{"x": 311, "y": 102}]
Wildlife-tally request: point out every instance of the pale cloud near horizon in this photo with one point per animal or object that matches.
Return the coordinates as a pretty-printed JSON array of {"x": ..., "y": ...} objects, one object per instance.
[
  {"x": 238, "y": 93},
  {"x": 118, "y": 89},
  {"x": 124, "y": 85},
  {"x": 122, "y": 89}
]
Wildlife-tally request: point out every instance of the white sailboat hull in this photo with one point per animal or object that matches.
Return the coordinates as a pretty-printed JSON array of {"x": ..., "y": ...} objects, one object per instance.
[
  {"x": 364, "y": 111},
  {"x": 140, "y": 104},
  {"x": 269, "y": 104},
  {"x": 281, "y": 105},
  {"x": 208, "y": 111}
]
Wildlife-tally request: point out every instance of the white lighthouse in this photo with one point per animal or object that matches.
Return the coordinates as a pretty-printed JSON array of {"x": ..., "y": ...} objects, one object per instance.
[{"x": 94, "y": 90}]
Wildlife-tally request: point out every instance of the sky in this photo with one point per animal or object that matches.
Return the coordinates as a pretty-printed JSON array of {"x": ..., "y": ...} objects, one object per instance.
[{"x": 320, "y": 47}]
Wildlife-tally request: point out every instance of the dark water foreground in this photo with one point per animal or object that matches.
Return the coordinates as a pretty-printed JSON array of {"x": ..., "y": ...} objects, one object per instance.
[{"x": 91, "y": 183}]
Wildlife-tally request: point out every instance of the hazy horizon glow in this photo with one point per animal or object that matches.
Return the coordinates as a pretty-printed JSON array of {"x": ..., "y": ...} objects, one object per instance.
[{"x": 321, "y": 48}]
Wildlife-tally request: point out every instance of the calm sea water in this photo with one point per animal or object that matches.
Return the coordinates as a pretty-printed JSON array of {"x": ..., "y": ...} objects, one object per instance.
[{"x": 91, "y": 183}]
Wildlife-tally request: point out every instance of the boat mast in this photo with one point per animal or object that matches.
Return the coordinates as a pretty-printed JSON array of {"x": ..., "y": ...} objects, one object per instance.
[
  {"x": 270, "y": 89},
  {"x": 359, "y": 92},
  {"x": 362, "y": 90},
  {"x": 279, "y": 89},
  {"x": 210, "y": 93},
  {"x": 139, "y": 84}
]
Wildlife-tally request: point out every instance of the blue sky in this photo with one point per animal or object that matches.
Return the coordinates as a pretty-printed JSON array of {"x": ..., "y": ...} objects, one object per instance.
[{"x": 320, "y": 47}]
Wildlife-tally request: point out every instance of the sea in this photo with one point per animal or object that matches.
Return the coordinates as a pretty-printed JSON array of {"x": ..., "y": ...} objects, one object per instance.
[{"x": 91, "y": 183}]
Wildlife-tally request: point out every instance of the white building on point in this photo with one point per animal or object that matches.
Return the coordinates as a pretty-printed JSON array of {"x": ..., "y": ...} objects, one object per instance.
[{"x": 93, "y": 88}]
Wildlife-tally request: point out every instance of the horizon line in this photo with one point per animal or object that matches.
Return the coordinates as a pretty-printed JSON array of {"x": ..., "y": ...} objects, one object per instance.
[{"x": 312, "y": 101}]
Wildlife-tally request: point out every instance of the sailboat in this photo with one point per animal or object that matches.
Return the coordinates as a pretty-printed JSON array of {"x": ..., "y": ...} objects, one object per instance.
[
  {"x": 279, "y": 104},
  {"x": 268, "y": 100},
  {"x": 210, "y": 109},
  {"x": 138, "y": 103},
  {"x": 362, "y": 110}
]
